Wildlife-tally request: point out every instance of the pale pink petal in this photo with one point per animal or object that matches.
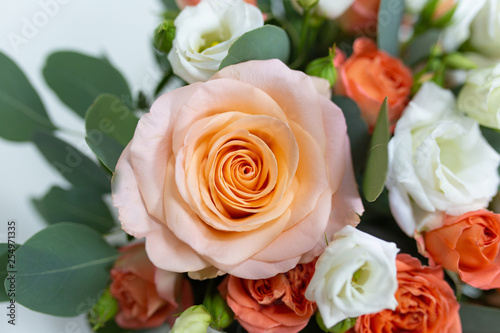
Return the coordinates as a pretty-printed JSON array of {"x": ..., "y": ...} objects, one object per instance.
[
  {"x": 151, "y": 147},
  {"x": 295, "y": 92}
]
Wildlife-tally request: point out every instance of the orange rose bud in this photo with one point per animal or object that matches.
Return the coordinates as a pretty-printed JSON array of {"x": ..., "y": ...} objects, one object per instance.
[
  {"x": 469, "y": 245},
  {"x": 147, "y": 296},
  {"x": 369, "y": 75},
  {"x": 276, "y": 304},
  {"x": 426, "y": 303}
]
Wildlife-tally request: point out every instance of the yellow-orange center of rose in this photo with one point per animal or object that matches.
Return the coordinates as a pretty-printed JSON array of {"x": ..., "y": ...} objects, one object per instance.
[{"x": 242, "y": 174}]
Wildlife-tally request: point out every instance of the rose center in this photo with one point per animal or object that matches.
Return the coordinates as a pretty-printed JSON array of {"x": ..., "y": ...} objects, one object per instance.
[{"x": 243, "y": 176}]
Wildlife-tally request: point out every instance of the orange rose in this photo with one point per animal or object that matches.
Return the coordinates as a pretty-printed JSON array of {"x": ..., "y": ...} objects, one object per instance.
[
  {"x": 426, "y": 303},
  {"x": 147, "y": 296},
  {"x": 276, "y": 304},
  {"x": 369, "y": 75},
  {"x": 183, "y": 3},
  {"x": 468, "y": 244},
  {"x": 361, "y": 18}
]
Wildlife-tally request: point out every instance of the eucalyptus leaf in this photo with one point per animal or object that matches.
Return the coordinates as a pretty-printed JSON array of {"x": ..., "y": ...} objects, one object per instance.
[
  {"x": 357, "y": 130},
  {"x": 267, "y": 42},
  {"x": 77, "y": 168},
  {"x": 420, "y": 47},
  {"x": 63, "y": 270},
  {"x": 378, "y": 157},
  {"x": 78, "y": 79},
  {"x": 21, "y": 110},
  {"x": 5, "y": 267},
  {"x": 389, "y": 18},
  {"x": 79, "y": 205},
  {"x": 479, "y": 319},
  {"x": 110, "y": 126}
]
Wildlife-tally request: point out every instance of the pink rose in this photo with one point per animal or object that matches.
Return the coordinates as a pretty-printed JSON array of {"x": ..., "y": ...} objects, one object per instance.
[
  {"x": 244, "y": 174},
  {"x": 147, "y": 296}
]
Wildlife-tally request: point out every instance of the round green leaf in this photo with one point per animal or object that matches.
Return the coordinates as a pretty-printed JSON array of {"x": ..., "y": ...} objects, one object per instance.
[
  {"x": 6, "y": 253},
  {"x": 110, "y": 125},
  {"x": 78, "y": 79},
  {"x": 79, "y": 205},
  {"x": 21, "y": 110},
  {"x": 378, "y": 157},
  {"x": 77, "y": 168},
  {"x": 62, "y": 270},
  {"x": 267, "y": 42}
]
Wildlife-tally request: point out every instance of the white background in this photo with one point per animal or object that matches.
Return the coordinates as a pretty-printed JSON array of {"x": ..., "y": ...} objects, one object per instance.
[{"x": 121, "y": 30}]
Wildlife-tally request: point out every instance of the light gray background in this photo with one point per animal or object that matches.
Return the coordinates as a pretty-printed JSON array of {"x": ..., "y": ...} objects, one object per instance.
[{"x": 120, "y": 29}]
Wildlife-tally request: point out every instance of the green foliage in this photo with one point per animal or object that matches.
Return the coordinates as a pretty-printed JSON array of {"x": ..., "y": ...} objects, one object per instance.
[
  {"x": 62, "y": 270},
  {"x": 6, "y": 252},
  {"x": 103, "y": 311},
  {"x": 378, "y": 157},
  {"x": 110, "y": 126},
  {"x": 357, "y": 130},
  {"x": 77, "y": 168},
  {"x": 79, "y": 205},
  {"x": 267, "y": 42},
  {"x": 479, "y": 319},
  {"x": 389, "y": 19},
  {"x": 78, "y": 79},
  {"x": 341, "y": 327},
  {"x": 21, "y": 111}
]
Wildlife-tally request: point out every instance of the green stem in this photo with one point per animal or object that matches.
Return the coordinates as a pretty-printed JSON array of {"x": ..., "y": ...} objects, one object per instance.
[{"x": 304, "y": 34}]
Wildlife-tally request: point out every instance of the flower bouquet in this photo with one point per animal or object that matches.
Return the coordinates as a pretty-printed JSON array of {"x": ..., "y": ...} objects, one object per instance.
[{"x": 300, "y": 166}]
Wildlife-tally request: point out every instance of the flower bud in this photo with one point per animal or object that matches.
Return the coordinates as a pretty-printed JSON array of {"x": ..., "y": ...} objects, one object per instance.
[
  {"x": 307, "y": 4},
  {"x": 195, "y": 319},
  {"x": 480, "y": 96},
  {"x": 323, "y": 68},
  {"x": 164, "y": 35},
  {"x": 220, "y": 311},
  {"x": 457, "y": 60},
  {"x": 104, "y": 310},
  {"x": 344, "y": 326}
]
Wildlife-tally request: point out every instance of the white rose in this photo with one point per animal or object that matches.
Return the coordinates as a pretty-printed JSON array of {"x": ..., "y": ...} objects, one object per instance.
[
  {"x": 485, "y": 29},
  {"x": 355, "y": 275},
  {"x": 458, "y": 31},
  {"x": 438, "y": 162},
  {"x": 204, "y": 34},
  {"x": 330, "y": 9},
  {"x": 479, "y": 98}
]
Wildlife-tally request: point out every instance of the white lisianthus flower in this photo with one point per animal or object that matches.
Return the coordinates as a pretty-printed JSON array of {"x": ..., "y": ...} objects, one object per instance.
[
  {"x": 485, "y": 29},
  {"x": 355, "y": 275},
  {"x": 204, "y": 34},
  {"x": 438, "y": 162},
  {"x": 458, "y": 31},
  {"x": 480, "y": 96},
  {"x": 331, "y": 9}
]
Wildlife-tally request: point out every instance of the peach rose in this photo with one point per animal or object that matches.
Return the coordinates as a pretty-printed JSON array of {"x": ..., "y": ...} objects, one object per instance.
[
  {"x": 147, "y": 296},
  {"x": 222, "y": 176},
  {"x": 361, "y": 18},
  {"x": 183, "y": 3},
  {"x": 369, "y": 75},
  {"x": 426, "y": 303},
  {"x": 468, "y": 244},
  {"x": 274, "y": 305}
]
